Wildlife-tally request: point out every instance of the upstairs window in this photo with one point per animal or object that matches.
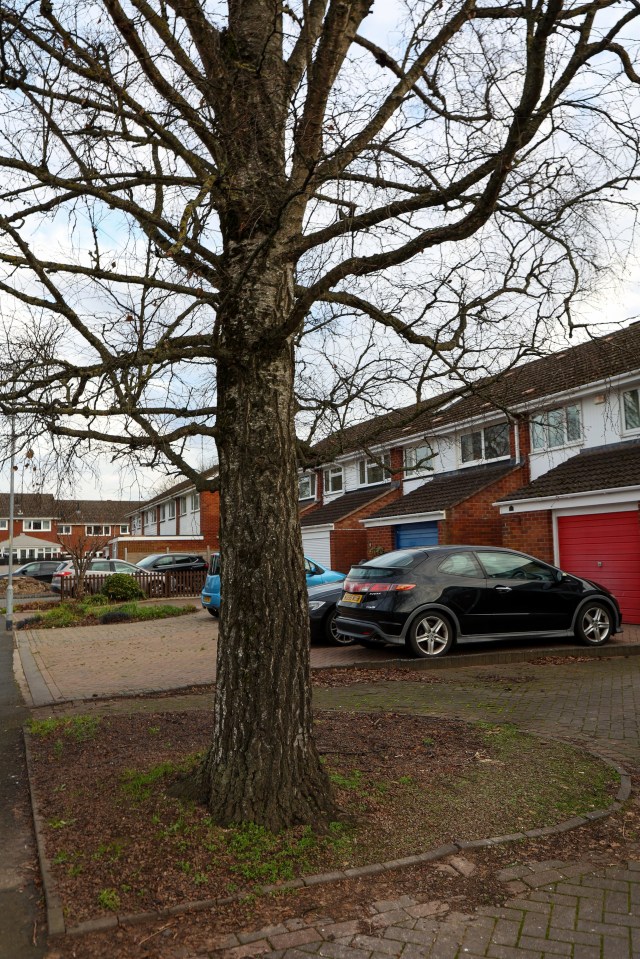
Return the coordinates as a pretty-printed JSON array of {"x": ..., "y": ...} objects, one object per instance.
[
  {"x": 124, "y": 528},
  {"x": 4, "y": 524},
  {"x": 307, "y": 486},
  {"x": 172, "y": 509},
  {"x": 195, "y": 502},
  {"x": 182, "y": 503},
  {"x": 64, "y": 530},
  {"x": 375, "y": 471},
  {"x": 631, "y": 409},
  {"x": 333, "y": 480},
  {"x": 491, "y": 443},
  {"x": 98, "y": 530},
  {"x": 163, "y": 512},
  {"x": 418, "y": 459},
  {"x": 554, "y": 428},
  {"x": 33, "y": 525}
]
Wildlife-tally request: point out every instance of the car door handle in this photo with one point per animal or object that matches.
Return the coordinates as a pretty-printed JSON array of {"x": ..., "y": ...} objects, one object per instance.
[{"x": 503, "y": 589}]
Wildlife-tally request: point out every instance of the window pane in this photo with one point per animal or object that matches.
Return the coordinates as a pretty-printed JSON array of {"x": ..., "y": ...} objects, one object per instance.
[
  {"x": 375, "y": 473},
  {"x": 471, "y": 447},
  {"x": 363, "y": 475},
  {"x": 555, "y": 419},
  {"x": 418, "y": 459},
  {"x": 538, "y": 433},
  {"x": 574, "y": 428},
  {"x": 632, "y": 410},
  {"x": 460, "y": 564},
  {"x": 496, "y": 441}
]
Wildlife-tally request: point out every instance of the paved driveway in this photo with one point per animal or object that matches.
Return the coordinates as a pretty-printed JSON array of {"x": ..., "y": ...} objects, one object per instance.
[{"x": 62, "y": 665}]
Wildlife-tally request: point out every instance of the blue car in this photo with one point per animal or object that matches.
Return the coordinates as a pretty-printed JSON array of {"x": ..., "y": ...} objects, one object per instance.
[{"x": 316, "y": 576}]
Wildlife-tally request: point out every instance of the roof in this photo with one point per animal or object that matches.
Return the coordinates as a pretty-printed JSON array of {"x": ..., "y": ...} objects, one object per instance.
[
  {"x": 45, "y": 505},
  {"x": 174, "y": 490},
  {"x": 446, "y": 490},
  {"x": 95, "y": 510},
  {"x": 601, "y": 468},
  {"x": 346, "y": 504},
  {"x": 598, "y": 359},
  {"x": 29, "y": 505}
]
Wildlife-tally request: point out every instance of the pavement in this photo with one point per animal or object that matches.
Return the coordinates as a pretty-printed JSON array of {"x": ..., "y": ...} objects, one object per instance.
[{"x": 578, "y": 908}]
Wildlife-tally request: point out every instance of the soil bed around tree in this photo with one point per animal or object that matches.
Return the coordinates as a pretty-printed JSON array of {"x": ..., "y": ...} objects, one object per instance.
[{"x": 118, "y": 843}]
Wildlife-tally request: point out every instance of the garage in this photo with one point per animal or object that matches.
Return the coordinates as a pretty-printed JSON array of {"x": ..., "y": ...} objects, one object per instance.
[
  {"x": 317, "y": 545},
  {"x": 417, "y": 534},
  {"x": 605, "y": 547}
]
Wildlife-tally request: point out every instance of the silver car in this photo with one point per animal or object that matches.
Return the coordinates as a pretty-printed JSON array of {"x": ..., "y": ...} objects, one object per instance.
[{"x": 97, "y": 570}]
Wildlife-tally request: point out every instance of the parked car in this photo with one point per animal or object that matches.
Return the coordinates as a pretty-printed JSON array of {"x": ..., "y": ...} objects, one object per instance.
[
  {"x": 168, "y": 562},
  {"x": 210, "y": 597},
  {"x": 323, "y": 612},
  {"x": 98, "y": 568},
  {"x": 429, "y": 598},
  {"x": 42, "y": 569}
]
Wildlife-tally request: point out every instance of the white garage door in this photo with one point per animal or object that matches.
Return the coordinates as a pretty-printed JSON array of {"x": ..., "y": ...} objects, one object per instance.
[{"x": 317, "y": 546}]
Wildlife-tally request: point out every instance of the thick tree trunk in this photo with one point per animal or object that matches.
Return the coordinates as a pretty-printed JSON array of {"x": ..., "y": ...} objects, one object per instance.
[{"x": 262, "y": 765}]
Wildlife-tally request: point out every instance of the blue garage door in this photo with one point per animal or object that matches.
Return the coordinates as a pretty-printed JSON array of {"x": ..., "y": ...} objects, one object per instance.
[{"x": 417, "y": 534}]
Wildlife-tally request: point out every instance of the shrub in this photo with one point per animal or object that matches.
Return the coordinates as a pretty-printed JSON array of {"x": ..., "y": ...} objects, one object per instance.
[
  {"x": 96, "y": 599},
  {"x": 121, "y": 586}
]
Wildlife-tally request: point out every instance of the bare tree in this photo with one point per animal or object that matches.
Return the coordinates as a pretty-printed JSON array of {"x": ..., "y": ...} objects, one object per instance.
[
  {"x": 82, "y": 548},
  {"x": 196, "y": 193}
]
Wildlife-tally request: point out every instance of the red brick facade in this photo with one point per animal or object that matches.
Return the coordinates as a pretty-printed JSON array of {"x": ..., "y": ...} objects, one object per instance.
[{"x": 530, "y": 533}]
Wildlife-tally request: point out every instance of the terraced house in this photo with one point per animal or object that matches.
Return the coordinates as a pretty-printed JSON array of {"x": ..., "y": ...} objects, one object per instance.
[
  {"x": 46, "y": 527},
  {"x": 178, "y": 519},
  {"x": 558, "y": 475}
]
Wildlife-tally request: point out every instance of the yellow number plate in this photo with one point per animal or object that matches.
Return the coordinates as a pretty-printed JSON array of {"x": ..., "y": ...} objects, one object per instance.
[{"x": 352, "y": 598}]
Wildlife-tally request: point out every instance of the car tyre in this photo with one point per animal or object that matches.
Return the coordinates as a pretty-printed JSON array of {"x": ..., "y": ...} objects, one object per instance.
[
  {"x": 594, "y": 624},
  {"x": 212, "y": 611},
  {"x": 431, "y": 634},
  {"x": 331, "y": 631}
]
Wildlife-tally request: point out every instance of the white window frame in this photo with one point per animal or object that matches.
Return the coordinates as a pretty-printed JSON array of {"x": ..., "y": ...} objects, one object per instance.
[
  {"x": 163, "y": 512},
  {"x": 304, "y": 479},
  {"x": 102, "y": 530},
  {"x": 332, "y": 473},
  {"x": 44, "y": 527},
  {"x": 124, "y": 529},
  {"x": 483, "y": 458},
  {"x": 195, "y": 502},
  {"x": 417, "y": 462},
  {"x": 4, "y": 524},
  {"x": 541, "y": 426},
  {"x": 65, "y": 529},
  {"x": 182, "y": 504},
  {"x": 172, "y": 509},
  {"x": 368, "y": 466},
  {"x": 629, "y": 430}
]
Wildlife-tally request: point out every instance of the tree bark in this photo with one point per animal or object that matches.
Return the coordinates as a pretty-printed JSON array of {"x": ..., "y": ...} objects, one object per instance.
[{"x": 263, "y": 765}]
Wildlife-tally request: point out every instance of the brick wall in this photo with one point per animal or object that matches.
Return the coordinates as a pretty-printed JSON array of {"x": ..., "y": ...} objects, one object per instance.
[
  {"x": 380, "y": 539},
  {"x": 348, "y": 547},
  {"x": 210, "y": 519},
  {"x": 530, "y": 533},
  {"x": 476, "y": 520}
]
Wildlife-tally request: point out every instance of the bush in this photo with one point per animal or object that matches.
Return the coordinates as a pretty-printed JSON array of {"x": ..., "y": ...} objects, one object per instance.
[
  {"x": 96, "y": 599},
  {"x": 121, "y": 586}
]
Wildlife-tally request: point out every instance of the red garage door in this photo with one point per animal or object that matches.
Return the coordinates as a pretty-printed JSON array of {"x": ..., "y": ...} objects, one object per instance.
[{"x": 605, "y": 547}]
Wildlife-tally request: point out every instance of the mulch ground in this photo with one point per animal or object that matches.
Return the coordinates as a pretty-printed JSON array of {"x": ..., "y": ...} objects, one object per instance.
[{"x": 112, "y": 830}]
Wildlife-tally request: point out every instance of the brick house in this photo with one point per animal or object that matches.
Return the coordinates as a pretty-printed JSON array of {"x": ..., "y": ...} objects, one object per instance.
[
  {"x": 46, "y": 527},
  {"x": 557, "y": 476},
  {"x": 179, "y": 519}
]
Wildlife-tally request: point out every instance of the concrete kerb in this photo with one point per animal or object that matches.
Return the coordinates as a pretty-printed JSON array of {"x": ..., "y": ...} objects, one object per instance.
[{"x": 55, "y": 915}]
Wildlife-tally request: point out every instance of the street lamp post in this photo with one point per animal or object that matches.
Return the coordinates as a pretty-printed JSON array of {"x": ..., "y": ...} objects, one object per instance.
[{"x": 9, "y": 613}]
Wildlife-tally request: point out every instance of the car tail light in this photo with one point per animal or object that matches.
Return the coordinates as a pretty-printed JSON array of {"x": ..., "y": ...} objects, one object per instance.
[
  {"x": 353, "y": 587},
  {"x": 66, "y": 572}
]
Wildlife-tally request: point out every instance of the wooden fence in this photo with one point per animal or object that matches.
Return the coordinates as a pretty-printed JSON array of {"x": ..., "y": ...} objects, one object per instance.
[{"x": 184, "y": 582}]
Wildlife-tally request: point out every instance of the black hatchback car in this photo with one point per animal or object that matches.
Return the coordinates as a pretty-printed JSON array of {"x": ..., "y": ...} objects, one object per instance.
[
  {"x": 432, "y": 597},
  {"x": 169, "y": 562}
]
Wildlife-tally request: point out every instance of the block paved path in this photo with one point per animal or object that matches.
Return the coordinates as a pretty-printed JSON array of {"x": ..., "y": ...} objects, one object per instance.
[{"x": 575, "y": 909}]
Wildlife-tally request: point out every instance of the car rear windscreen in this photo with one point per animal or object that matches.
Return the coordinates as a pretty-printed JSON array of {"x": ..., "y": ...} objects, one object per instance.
[{"x": 388, "y": 565}]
